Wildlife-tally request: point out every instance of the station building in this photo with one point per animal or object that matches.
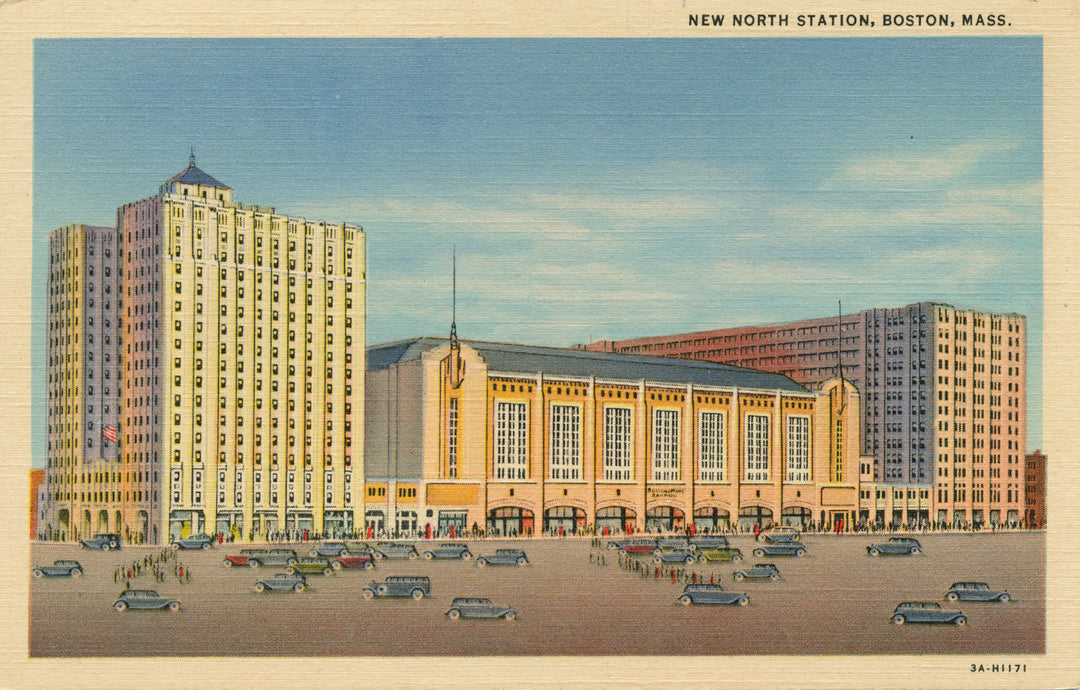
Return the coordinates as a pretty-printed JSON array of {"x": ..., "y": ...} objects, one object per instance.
[
  {"x": 944, "y": 399},
  {"x": 520, "y": 440},
  {"x": 205, "y": 370}
]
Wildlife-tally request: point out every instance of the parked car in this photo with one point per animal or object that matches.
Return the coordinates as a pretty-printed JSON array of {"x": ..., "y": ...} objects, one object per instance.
[
  {"x": 780, "y": 548},
  {"x": 896, "y": 546},
  {"x": 329, "y": 549},
  {"x": 59, "y": 569},
  {"x": 459, "y": 551},
  {"x": 390, "y": 550},
  {"x": 721, "y": 555},
  {"x": 711, "y": 541},
  {"x": 195, "y": 541},
  {"x": 465, "y": 607},
  {"x": 674, "y": 556},
  {"x": 504, "y": 557},
  {"x": 710, "y": 594},
  {"x": 758, "y": 571},
  {"x": 398, "y": 586},
  {"x": 670, "y": 543},
  {"x": 353, "y": 559},
  {"x": 638, "y": 545},
  {"x": 144, "y": 599},
  {"x": 925, "y": 612},
  {"x": 311, "y": 565},
  {"x": 101, "y": 542},
  {"x": 282, "y": 582},
  {"x": 776, "y": 534},
  {"x": 249, "y": 558},
  {"x": 975, "y": 591}
]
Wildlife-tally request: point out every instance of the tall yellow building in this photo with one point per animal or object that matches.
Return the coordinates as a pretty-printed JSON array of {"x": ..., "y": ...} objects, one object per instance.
[
  {"x": 516, "y": 439},
  {"x": 240, "y": 339}
]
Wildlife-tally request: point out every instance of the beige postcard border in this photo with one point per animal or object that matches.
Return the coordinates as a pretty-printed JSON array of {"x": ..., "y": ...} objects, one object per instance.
[{"x": 21, "y": 21}]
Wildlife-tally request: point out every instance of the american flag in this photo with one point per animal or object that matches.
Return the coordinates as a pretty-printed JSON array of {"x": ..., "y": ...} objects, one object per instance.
[{"x": 109, "y": 432}]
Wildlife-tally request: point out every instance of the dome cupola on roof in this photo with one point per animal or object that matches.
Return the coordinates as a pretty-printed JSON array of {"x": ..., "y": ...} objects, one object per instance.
[{"x": 194, "y": 181}]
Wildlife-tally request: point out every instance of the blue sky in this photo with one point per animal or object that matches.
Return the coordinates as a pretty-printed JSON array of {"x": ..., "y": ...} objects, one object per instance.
[{"x": 593, "y": 188}]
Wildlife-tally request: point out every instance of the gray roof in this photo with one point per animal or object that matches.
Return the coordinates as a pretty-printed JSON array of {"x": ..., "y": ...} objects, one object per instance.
[
  {"x": 192, "y": 175},
  {"x": 554, "y": 361}
]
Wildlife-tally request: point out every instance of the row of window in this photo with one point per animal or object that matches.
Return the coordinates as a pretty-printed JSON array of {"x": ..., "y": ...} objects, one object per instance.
[{"x": 566, "y": 461}]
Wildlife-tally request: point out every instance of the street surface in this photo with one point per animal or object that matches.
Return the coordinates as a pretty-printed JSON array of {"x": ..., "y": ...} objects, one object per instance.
[{"x": 833, "y": 600}]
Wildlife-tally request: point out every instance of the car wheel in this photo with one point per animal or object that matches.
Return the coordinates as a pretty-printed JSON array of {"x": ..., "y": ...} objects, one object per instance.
[
  {"x": 290, "y": 570},
  {"x": 381, "y": 590},
  {"x": 739, "y": 576},
  {"x": 260, "y": 587},
  {"x": 481, "y": 562},
  {"x": 336, "y": 565},
  {"x": 299, "y": 587},
  {"x": 874, "y": 552},
  {"x": 737, "y": 557},
  {"x": 961, "y": 621},
  {"x": 206, "y": 546},
  {"x": 253, "y": 563},
  {"x": 379, "y": 555},
  {"x": 522, "y": 560},
  {"x": 915, "y": 550},
  {"x": 428, "y": 555},
  {"x": 952, "y": 596},
  {"x": 701, "y": 558},
  {"x": 328, "y": 571},
  {"x": 367, "y": 594},
  {"x": 413, "y": 556},
  {"x": 744, "y": 601},
  {"x": 799, "y": 552},
  {"x": 774, "y": 577},
  {"x": 759, "y": 553},
  {"x": 174, "y": 606},
  {"x": 685, "y": 600},
  {"x": 689, "y": 560},
  {"x": 1004, "y": 598},
  {"x": 228, "y": 563},
  {"x": 175, "y": 545},
  {"x": 418, "y": 594},
  {"x": 77, "y": 572},
  {"x": 291, "y": 561},
  {"x": 38, "y": 573},
  {"x": 466, "y": 555},
  {"x": 656, "y": 551},
  {"x": 899, "y": 619},
  {"x": 120, "y": 606},
  {"x": 510, "y": 616},
  {"x": 369, "y": 565},
  {"x": 453, "y": 614},
  {"x": 657, "y": 560}
]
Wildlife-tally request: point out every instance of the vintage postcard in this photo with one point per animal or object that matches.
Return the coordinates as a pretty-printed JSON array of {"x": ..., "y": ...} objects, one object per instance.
[{"x": 692, "y": 345}]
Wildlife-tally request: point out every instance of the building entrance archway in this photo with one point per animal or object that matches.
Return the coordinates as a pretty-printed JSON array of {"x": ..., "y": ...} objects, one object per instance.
[
  {"x": 510, "y": 521},
  {"x": 712, "y": 519},
  {"x": 615, "y": 519},
  {"x": 564, "y": 520},
  {"x": 755, "y": 515},
  {"x": 664, "y": 519}
]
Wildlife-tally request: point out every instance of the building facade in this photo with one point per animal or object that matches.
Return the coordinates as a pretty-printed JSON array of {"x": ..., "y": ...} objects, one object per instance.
[
  {"x": 944, "y": 397},
  {"x": 519, "y": 440},
  {"x": 228, "y": 401},
  {"x": 1035, "y": 490}
]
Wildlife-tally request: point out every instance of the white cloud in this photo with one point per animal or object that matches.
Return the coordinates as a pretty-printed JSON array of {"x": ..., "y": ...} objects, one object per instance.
[{"x": 906, "y": 168}]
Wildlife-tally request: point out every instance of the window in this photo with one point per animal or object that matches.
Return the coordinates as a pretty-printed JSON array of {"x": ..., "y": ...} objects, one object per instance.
[
  {"x": 798, "y": 460},
  {"x": 566, "y": 442},
  {"x": 711, "y": 438},
  {"x": 617, "y": 443},
  {"x": 452, "y": 440},
  {"x": 665, "y": 445},
  {"x": 511, "y": 440},
  {"x": 757, "y": 448}
]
